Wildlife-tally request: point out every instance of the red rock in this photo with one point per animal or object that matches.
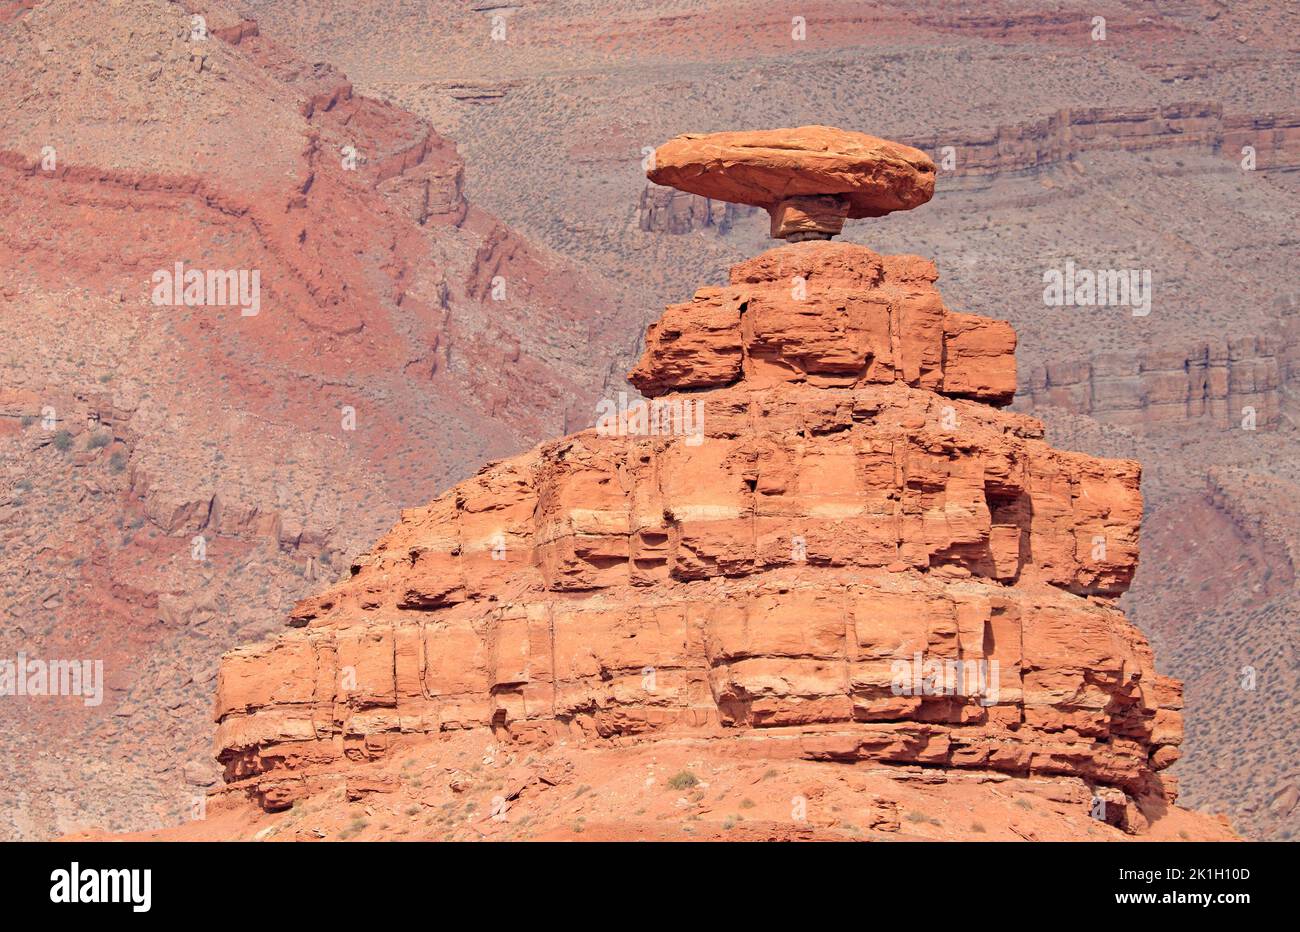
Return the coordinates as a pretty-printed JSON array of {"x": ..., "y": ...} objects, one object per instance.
[
  {"x": 841, "y": 514},
  {"x": 809, "y": 178},
  {"x": 820, "y": 542},
  {"x": 831, "y": 316}
]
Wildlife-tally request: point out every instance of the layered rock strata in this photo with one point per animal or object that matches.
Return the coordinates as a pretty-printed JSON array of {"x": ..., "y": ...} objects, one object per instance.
[
  {"x": 664, "y": 210},
  {"x": 820, "y": 518},
  {"x": 1223, "y": 384}
]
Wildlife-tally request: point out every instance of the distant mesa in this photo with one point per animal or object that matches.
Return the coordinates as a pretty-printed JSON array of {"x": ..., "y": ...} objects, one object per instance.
[{"x": 810, "y": 179}]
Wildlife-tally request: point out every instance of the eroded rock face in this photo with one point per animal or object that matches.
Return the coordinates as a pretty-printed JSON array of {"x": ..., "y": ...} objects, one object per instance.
[
  {"x": 665, "y": 210},
  {"x": 1220, "y": 385},
  {"x": 817, "y": 537},
  {"x": 828, "y": 315}
]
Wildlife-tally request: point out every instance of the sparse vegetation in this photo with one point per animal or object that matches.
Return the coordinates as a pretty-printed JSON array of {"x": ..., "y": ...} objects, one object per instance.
[{"x": 682, "y": 780}]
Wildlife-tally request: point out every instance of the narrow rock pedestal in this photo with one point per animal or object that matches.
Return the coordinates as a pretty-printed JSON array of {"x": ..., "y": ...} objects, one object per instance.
[{"x": 796, "y": 219}]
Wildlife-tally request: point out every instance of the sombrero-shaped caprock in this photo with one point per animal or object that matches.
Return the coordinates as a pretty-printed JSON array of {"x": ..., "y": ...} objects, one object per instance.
[{"x": 809, "y": 179}]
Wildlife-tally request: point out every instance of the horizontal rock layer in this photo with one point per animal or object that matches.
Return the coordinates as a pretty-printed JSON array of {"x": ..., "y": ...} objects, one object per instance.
[
  {"x": 1222, "y": 384},
  {"x": 829, "y": 315},
  {"x": 1196, "y": 124},
  {"x": 762, "y": 168},
  {"x": 664, "y": 210},
  {"x": 872, "y": 478},
  {"x": 1069, "y": 688},
  {"x": 809, "y": 533}
]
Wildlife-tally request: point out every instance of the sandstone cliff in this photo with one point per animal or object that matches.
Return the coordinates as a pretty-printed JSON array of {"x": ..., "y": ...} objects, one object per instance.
[
  {"x": 1218, "y": 385},
  {"x": 823, "y": 489}
]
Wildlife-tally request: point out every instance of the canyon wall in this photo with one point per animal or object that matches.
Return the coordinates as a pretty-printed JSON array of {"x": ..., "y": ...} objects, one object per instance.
[
  {"x": 667, "y": 210},
  {"x": 1055, "y": 138},
  {"x": 1220, "y": 385},
  {"x": 173, "y": 472}
]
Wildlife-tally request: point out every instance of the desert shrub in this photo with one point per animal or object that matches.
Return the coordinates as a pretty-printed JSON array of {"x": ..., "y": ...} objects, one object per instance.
[{"x": 683, "y": 780}]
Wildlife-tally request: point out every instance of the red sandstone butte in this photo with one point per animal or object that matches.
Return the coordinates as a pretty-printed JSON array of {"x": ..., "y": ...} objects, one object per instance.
[
  {"x": 821, "y": 566},
  {"x": 742, "y": 598}
]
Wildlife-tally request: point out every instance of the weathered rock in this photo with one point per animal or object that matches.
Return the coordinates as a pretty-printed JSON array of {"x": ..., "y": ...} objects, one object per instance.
[
  {"x": 199, "y": 773},
  {"x": 1222, "y": 385},
  {"x": 829, "y": 315},
  {"x": 664, "y": 210},
  {"x": 819, "y": 217},
  {"x": 809, "y": 178},
  {"x": 836, "y": 543}
]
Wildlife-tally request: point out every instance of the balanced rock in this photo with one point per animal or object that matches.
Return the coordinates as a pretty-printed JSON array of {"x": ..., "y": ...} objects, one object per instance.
[
  {"x": 819, "y": 542},
  {"x": 809, "y": 179}
]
